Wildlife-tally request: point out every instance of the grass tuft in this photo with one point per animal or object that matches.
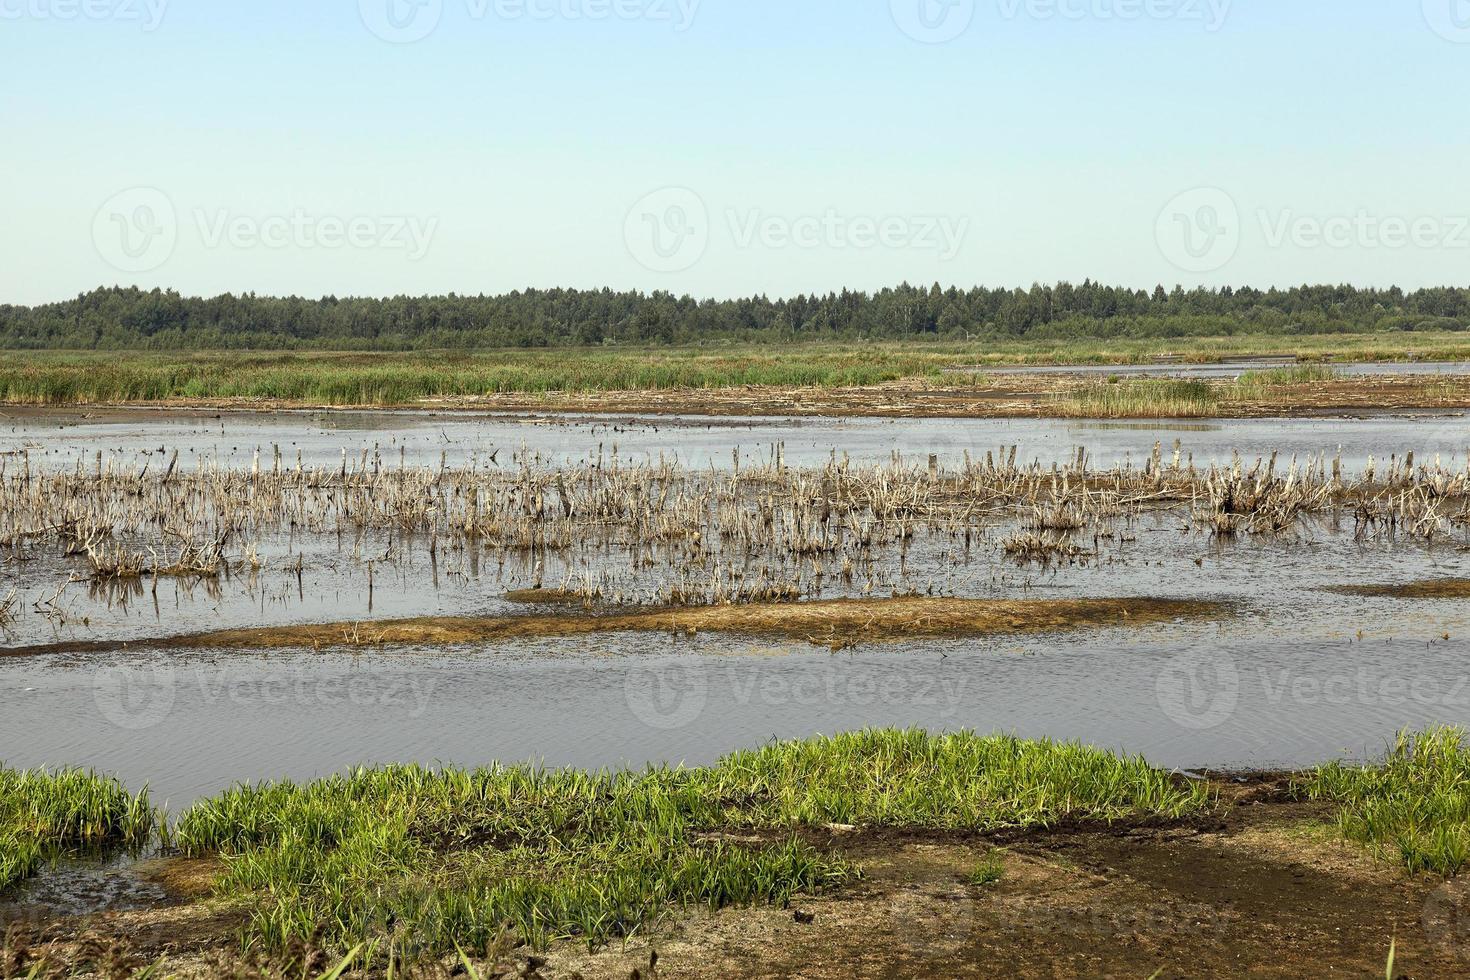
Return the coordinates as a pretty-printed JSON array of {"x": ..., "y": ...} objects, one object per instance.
[
  {"x": 422, "y": 860},
  {"x": 1413, "y": 808},
  {"x": 41, "y": 812}
]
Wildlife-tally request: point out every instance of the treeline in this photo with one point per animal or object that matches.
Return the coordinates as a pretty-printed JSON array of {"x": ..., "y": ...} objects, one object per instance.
[{"x": 130, "y": 318}]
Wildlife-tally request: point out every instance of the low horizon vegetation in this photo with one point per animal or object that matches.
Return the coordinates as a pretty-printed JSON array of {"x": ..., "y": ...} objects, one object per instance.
[{"x": 354, "y": 378}]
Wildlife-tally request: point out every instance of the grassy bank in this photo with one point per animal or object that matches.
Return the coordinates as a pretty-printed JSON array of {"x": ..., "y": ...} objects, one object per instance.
[
  {"x": 396, "y": 870},
  {"x": 42, "y": 812},
  {"x": 420, "y": 861},
  {"x": 1413, "y": 808},
  {"x": 91, "y": 377}
]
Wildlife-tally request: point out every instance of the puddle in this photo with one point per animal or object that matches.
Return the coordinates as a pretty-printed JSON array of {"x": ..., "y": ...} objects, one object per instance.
[{"x": 82, "y": 885}]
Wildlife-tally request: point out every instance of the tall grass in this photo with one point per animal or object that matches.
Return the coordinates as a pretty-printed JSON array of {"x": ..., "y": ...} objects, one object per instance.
[
  {"x": 422, "y": 860},
  {"x": 1413, "y": 807},
  {"x": 43, "y": 811},
  {"x": 1141, "y": 398},
  {"x": 1254, "y": 382},
  {"x": 400, "y": 379}
]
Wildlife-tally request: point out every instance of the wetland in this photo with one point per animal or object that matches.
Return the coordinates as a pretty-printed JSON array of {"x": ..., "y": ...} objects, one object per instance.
[{"x": 621, "y": 611}]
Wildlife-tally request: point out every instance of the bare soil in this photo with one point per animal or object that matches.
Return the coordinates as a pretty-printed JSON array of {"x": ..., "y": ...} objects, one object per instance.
[
  {"x": 837, "y": 623},
  {"x": 1445, "y": 588}
]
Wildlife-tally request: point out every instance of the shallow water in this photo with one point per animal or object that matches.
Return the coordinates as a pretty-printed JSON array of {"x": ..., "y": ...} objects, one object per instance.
[
  {"x": 1297, "y": 677},
  {"x": 65, "y": 440},
  {"x": 1185, "y": 696}
]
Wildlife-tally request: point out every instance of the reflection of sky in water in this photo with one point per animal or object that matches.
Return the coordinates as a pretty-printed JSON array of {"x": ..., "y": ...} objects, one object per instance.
[
  {"x": 1314, "y": 674},
  {"x": 61, "y": 439},
  {"x": 1184, "y": 696}
]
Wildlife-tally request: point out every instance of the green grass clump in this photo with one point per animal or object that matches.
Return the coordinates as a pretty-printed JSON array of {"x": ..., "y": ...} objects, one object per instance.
[
  {"x": 1412, "y": 808},
  {"x": 1141, "y": 398},
  {"x": 991, "y": 871},
  {"x": 415, "y": 861},
  {"x": 1256, "y": 382},
  {"x": 43, "y": 812}
]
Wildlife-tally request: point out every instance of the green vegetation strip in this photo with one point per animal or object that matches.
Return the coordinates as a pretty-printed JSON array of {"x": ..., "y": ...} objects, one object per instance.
[
  {"x": 428, "y": 859},
  {"x": 58, "y": 377},
  {"x": 1413, "y": 808},
  {"x": 1169, "y": 397},
  {"x": 401, "y": 379},
  {"x": 41, "y": 812}
]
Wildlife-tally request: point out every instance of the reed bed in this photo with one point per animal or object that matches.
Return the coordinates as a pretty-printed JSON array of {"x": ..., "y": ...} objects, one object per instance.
[
  {"x": 1413, "y": 808},
  {"x": 404, "y": 379},
  {"x": 609, "y": 533},
  {"x": 1186, "y": 398},
  {"x": 1140, "y": 398},
  {"x": 421, "y": 861},
  {"x": 43, "y": 812}
]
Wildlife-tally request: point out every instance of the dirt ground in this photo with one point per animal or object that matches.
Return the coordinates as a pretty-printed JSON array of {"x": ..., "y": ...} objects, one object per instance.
[
  {"x": 835, "y": 623},
  {"x": 1261, "y": 888}
]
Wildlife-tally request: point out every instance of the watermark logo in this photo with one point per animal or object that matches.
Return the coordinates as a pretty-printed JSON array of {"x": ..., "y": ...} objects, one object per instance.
[
  {"x": 136, "y": 230},
  {"x": 668, "y": 230},
  {"x": 1364, "y": 230},
  {"x": 667, "y": 698},
  {"x": 304, "y": 230},
  {"x": 401, "y": 21},
  {"x": 933, "y": 21},
  {"x": 1199, "y": 230},
  {"x": 942, "y": 234},
  {"x": 408, "y": 21},
  {"x": 1450, "y": 19},
  {"x": 139, "y": 230},
  {"x": 933, "y": 926},
  {"x": 135, "y": 698},
  {"x": 147, "y": 13},
  {"x": 1446, "y": 918},
  {"x": 1211, "y": 14},
  {"x": 1198, "y": 690}
]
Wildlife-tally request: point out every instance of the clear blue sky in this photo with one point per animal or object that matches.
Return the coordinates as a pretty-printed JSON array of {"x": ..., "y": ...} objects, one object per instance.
[{"x": 505, "y": 150}]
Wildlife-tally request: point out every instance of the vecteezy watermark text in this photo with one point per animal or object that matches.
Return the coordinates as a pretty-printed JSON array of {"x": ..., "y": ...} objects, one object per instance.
[
  {"x": 136, "y": 697},
  {"x": 408, "y": 21},
  {"x": 148, "y": 14},
  {"x": 670, "y": 230},
  {"x": 139, "y": 229},
  {"x": 1201, "y": 230},
  {"x": 305, "y": 230}
]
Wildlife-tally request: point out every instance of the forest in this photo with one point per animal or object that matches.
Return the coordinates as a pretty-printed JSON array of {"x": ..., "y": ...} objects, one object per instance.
[{"x": 122, "y": 318}]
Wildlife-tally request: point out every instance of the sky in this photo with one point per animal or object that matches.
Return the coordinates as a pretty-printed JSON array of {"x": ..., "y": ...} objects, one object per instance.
[{"x": 729, "y": 147}]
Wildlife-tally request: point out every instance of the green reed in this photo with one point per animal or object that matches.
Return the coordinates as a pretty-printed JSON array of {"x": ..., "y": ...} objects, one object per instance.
[
  {"x": 1413, "y": 807},
  {"x": 426, "y": 859},
  {"x": 41, "y": 812}
]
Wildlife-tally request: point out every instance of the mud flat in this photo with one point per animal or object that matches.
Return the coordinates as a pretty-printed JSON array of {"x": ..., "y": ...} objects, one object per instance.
[
  {"x": 1444, "y": 588},
  {"x": 838, "y": 623}
]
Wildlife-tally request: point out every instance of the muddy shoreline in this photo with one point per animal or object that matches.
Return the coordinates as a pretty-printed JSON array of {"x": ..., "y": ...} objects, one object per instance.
[
  {"x": 836, "y": 623},
  {"x": 1256, "y": 885}
]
